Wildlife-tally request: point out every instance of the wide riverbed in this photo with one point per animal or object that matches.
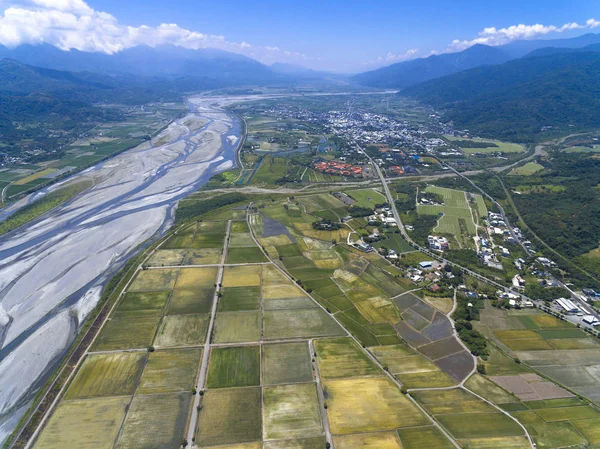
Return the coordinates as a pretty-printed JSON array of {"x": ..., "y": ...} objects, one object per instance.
[{"x": 52, "y": 270}]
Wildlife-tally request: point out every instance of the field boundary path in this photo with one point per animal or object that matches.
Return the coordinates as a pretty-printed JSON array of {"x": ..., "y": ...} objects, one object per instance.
[
  {"x": 388, "y": 195},
  {"x": 48, "y": 413},
  {"x": 193, "y": 421},
  {"x": 368, "y": 353}
]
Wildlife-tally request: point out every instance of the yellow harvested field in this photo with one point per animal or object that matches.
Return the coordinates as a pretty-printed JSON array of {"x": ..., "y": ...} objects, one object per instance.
[
  {"x": 517, "y": 335},
  {"x": 498, "y": 442},
  {"x": 196, "y": 277},
  {"x": 328, "y": 263},
  {"x": 369, "y": 404},
  {"x": 271, "y": 275},
  {"x": 378, "y": 309},
  {"x": 281, "y": 291},
  {"x": 84, "y": 424},
  {"x": 383, "y": 440},
  {"x": 444, "y": 305},
  {"x": 345, "y": 276},
  {"x": 546, "y": 321},
  {"x": 277, "y": 240},
  {"x": 202, "y": 256},
  {"x": 166, "y": 257},
  {"x": 159, "y": 279},
  {"x": 34, "y": 176},
  {"x": 255, "y": 445},
  {"x": 243, "y": 276}
]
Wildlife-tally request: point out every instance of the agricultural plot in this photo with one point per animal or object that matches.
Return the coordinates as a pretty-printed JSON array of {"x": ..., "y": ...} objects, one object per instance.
[
  {"x": 320, "y": 202},
  {"x": 141, "y": 304},
  {"x": 235, "y": 299},
  {"x": 251, "y": 254},
  {"x": 560, "y": 422},
  {"x": 234, "y": 367},
  {"x": 366, "y": 197},
  {"x": 291, "y": 411},
  {"x": 165, "y": 412},
  {"x": 299, "y": 443},
  {"x": 342, "y": 357},
  {"x": 239, "y": 226},
  {"x": 167, "y": 257},
  {"x": 237, "y": 327},
  {"x": 430, "y": 332},
  {"x": 84, "y": 424},
  {"x": 171, "y": 371},
  {"x": 196, "y": 278},
  {"x": 368, "y": 405},
  {"x": 528, "y": 169},
  {"x": 127, "y": 333},
  {"x": 410, "y": 367},
  {"x": 499, "y": 147},
  {"x": 555, "y": 348},
  {"x": 107, "y": 375},
  {"x": 215, "y": 423},
  {"x": 456, "y": 217},
  {"x": 382, "y": 440},
  {"x": 470, "y": 419},
  {"x": 242, "y": 276},
  {"x": 285, "y": 363},
  {"x": 191, "y": 300},
  {"x": 531, "y": 387},
  {"x": 154, "y": 280},
  {"x": 423, "y": 437},
  {"x": 181, "y": 330},
  {"x": 202, "y": 256},
  {"x": 299, "y": 323}
]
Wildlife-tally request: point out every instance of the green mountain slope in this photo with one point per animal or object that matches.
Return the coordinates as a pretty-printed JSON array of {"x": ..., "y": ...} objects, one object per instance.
[{"x": 516, "y": 99}]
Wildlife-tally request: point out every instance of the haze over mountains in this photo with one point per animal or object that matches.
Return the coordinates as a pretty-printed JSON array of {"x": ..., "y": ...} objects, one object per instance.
[
  {"x": 408, "y": 73},
  {"x": 510, "y": 91}
]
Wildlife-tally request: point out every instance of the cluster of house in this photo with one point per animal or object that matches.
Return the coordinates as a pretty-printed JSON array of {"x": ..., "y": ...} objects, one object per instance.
[
  {"x": 514, "y": 300},
  {"x": 426, "y": 270},
  {"x": 382, "y": 215},
  {"x": 438, "y": 243},
  {"x": 488, "y": 257},
  {"x": 339, "y": 168}
]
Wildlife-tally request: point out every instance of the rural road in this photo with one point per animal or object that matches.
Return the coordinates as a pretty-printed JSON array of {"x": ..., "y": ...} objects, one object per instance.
[{"x": 201, "y": 384}]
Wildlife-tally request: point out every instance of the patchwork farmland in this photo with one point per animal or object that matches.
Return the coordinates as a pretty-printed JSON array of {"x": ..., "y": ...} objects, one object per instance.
[
  {"x": 460, "y": 214},
  {"x": 304, "y": 343}
]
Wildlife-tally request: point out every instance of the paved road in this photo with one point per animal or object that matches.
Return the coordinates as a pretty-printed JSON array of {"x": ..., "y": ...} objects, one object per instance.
[
  {"x": 350, "y": 335},
  {"x": 201, "y": 384}
]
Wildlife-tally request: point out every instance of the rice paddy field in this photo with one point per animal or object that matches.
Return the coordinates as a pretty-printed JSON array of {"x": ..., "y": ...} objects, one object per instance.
[
  {"x": 500, "y": 147},
  {"x": 528, "y": 169},
  {"x": 553, "y": 348},
  {"x": 366, "y": 197},
  {"x": 291, "y": 351},
  {"x": 459, "y": 216}
]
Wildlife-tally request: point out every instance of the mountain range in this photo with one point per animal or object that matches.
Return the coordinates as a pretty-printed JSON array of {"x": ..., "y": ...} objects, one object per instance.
[
  {"x": 408, "y": 73},
  {"x": 162, "y": 61},
  {"x": 517, "y": 100}
]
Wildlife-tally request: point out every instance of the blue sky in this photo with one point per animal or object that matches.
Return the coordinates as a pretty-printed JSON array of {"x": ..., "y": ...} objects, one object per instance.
[{"x": 327, "y": 34}]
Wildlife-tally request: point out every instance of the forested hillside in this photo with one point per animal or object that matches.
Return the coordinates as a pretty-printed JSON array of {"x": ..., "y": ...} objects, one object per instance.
[{"x": 517, "y": 99}]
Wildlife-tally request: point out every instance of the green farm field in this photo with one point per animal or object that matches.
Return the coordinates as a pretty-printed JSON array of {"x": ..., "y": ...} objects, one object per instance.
[
  {"x": 291, "y": 411},
  {"x": 215, "y": 423},
  {"x": 166, "y": 412},
  {"x": 501, "y": 147},
  {"x": 528, "y": 169},
  {"x": 366, "y": 197},
  {"x": 285, "y": 363},
  {"x": 107, "y": 375},
  {"x": 171, "y": 371},
  {"x": 234, "y": 367}
]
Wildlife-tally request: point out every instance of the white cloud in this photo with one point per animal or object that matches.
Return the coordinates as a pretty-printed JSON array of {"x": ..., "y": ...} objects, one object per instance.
[
  {"x": 494, "y": 36},
  {"x": 73, "y": 24}
]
